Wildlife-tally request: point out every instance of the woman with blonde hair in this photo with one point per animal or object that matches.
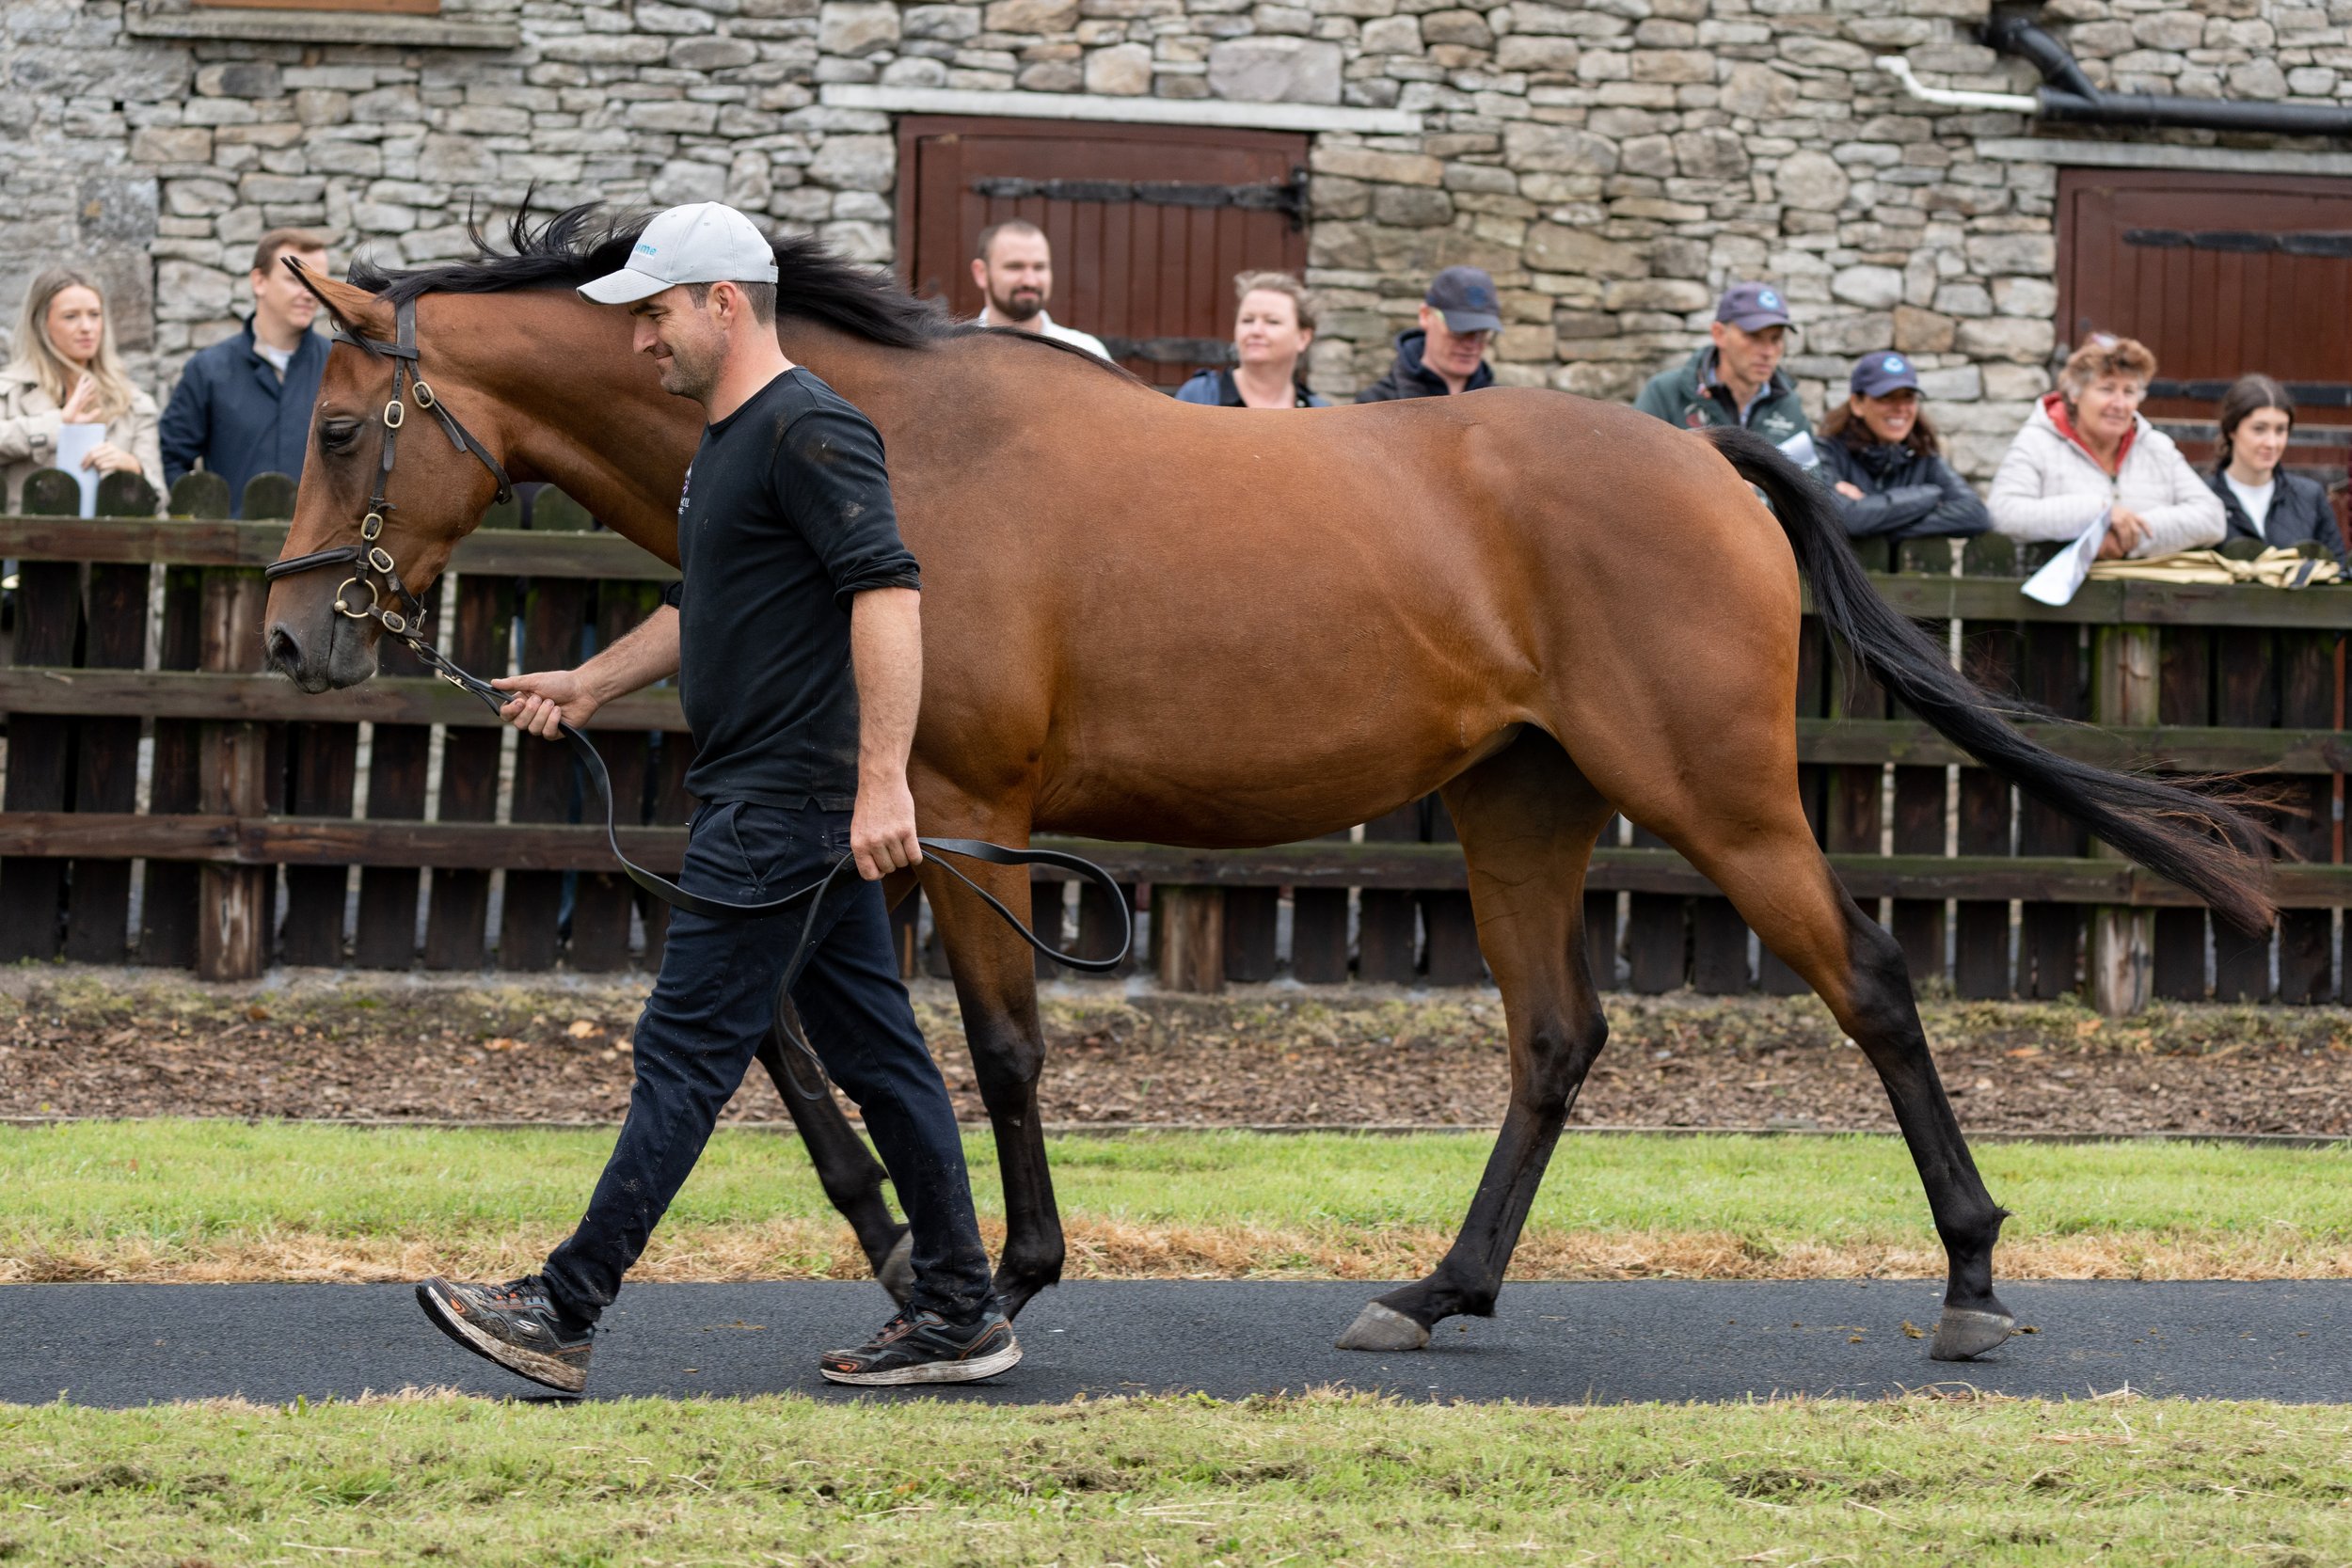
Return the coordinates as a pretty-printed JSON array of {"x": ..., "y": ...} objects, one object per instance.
[
  {"x": 2086, "y": 453},
  {"x": 1272, "y": 327},
  {"x": 66, "y": 372}
]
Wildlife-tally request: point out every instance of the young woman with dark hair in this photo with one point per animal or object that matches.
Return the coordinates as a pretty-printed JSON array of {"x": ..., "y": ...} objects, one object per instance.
[
  {"x": 2262, "y": 500},
  {"x": 1880, "y": 457}
]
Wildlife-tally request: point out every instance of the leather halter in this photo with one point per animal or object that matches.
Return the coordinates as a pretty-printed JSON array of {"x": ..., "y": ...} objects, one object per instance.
[
  {"x": 407, "y": 616},
  {"x": 406, "y": 625}
]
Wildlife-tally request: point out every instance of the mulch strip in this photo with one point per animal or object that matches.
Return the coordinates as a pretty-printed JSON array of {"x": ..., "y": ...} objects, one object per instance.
[{"x": 119, "y": 1042}]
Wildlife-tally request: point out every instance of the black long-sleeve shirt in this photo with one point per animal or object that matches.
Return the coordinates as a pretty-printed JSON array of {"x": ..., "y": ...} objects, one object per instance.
[
  {"x": 787, "y": 518},
  {"x": 1906, "y": 495}
]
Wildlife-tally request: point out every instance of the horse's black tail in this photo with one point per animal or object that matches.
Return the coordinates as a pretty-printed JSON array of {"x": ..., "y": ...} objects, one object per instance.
[{"x": 2206, "y": 845}]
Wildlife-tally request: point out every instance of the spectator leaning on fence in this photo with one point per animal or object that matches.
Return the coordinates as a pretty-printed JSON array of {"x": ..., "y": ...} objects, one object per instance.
[
  {"x": 1460, "y": 313},
  {"x": 1015, "y": 272},
  {"x": 66, "y": 372},
  {"x": 1880, "y": 456},
  {"x": 1272, "y": 327},
  {"x": 1736, "y": 379},
  {"x": 2261, "y": 500},
  {"x": 2086, "y": 453},
  {"x": 243, "y": 405}
]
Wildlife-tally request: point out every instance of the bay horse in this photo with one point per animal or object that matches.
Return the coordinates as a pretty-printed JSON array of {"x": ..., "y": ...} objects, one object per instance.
[{"x": 1211, "y": 627}]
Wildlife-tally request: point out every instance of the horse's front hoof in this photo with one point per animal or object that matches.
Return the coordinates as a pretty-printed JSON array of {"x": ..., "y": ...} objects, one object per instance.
[
  {"x": 1961, "y": 1335},
  {"x": 897, "y": 1272},
  {"x": 1378, "y": 1327}
]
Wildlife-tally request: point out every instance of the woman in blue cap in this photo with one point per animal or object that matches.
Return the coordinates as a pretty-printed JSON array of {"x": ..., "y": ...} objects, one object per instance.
[{"x": 1880, "y": 456}]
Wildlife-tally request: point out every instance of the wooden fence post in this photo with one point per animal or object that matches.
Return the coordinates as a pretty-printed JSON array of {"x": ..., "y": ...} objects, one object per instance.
[
  {"x": 172, "y": 894},
  {"x": 2122, "y": 940},
  {"x": 1189, "y": 922},
  {"x": 40, "y": 746},
  {"x": 233, "y": 930},
  {"x": 458, "y": 909}
]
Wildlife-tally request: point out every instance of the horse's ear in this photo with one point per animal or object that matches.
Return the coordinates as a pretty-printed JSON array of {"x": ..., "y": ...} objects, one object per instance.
[{"x": 359, "y": 313}]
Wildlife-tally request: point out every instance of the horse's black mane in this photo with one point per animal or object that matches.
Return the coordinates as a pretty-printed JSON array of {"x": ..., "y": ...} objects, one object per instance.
[{"x": 588, "y": 241}]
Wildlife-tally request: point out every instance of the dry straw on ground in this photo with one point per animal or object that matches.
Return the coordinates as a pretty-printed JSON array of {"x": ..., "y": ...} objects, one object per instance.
[{"x": 810, "y": 1249}]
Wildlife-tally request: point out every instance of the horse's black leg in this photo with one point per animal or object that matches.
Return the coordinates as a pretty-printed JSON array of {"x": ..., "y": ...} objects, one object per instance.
[
  {"x": 852, "y": 1177},
  {"x": 1884, "y": 1021},
  {"x": 1783, "y": 886},
  {"x": 995, "y": 977},
  {"x": 1527, "y": 820}
]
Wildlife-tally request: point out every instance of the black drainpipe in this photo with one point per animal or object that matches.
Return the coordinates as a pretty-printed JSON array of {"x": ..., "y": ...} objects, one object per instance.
[{"x": 2066, "y": 93}]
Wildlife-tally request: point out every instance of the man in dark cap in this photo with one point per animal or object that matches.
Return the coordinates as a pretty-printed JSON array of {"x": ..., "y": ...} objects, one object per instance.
[
  {"x": 1737, "y": 379},
  {"x": 1447, "y": 353}
]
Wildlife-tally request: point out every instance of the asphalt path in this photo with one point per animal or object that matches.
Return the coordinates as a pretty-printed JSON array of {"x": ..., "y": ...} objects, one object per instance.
[{"x": 1551, "y": 1343}]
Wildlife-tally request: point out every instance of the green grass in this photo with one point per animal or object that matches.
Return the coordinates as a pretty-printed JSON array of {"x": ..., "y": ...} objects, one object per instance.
[
  {"x": 1316, "y": 1479},
  {"x": 174, "y": 1198}
]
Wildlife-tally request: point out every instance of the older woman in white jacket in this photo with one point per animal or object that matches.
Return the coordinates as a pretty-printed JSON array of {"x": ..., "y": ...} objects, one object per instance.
[{"x": 2085, "y": 451}]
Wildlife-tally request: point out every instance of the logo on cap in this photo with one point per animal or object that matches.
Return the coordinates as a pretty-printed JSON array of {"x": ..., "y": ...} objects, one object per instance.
[
  {"x": 1894, "y": 363},
  {"x": 646, "y": 248},
  {"x": 1768, "y": 299}
]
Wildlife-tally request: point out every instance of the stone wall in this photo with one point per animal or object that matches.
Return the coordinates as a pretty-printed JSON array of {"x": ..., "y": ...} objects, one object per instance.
[{"x": 1613, "y": 164}]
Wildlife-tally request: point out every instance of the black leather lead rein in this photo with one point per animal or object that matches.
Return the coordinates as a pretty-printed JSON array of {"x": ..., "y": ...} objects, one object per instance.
[{"x": 404, "y": 617}]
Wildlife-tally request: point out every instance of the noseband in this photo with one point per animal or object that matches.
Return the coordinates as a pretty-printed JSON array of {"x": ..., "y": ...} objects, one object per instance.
[{"x": 394, "y": 607}]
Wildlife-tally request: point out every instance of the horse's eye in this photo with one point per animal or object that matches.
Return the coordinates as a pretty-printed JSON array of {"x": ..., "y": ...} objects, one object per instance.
[{"x": 338, "y": 434}]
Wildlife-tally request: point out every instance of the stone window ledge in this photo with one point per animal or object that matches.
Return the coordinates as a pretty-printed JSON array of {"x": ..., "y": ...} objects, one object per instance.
[
  {"x": 286, "y": 26},
  {"x": 1132, "y": 111}
]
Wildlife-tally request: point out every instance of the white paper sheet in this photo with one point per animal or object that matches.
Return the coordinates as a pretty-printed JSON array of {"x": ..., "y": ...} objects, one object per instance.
[
  {"x": 1799, "y": 450},
  {"x": 75, "y": 442},
  {"x": 2062, "y": 579}
]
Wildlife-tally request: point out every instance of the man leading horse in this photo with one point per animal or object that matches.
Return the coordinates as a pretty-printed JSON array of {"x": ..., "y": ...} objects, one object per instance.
[{"x": 797, "y": 639}]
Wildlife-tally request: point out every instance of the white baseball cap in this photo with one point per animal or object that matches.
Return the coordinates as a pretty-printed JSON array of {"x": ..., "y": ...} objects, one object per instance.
[{"x": 705, "y": 242}]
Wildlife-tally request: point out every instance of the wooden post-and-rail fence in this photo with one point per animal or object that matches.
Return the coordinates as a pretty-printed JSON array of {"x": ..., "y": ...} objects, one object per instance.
[{"x": 166, "y": 802}]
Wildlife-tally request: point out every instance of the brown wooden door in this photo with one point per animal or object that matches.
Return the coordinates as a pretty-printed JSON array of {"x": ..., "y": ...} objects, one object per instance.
[
  {"x": 1149, "y": 223},
  {"x": 2219, "y": 274}
]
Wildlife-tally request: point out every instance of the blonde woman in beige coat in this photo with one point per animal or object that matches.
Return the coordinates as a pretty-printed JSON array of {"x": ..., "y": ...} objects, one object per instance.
[
  {"x": 66, "y": 372},
  {"x": 2085, "y": 449}
]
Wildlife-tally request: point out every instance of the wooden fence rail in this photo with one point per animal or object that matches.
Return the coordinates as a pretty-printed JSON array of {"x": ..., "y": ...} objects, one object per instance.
[{"x": 166, "y": 802}]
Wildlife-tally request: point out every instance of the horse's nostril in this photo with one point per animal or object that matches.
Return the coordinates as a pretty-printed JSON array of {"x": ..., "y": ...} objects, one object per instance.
[{"x": 285, "y": 653}]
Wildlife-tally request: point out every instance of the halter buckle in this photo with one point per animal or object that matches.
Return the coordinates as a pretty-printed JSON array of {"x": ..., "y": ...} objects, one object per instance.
[
  {"x": 379, "y": 557},
  {"x": 395, "y": 412},
  {"x": 423, "y": 393},
  {"x": 344, "y": 610},
  {"x": 371, "y": 525},
  {"x": 394, "y": 621}
]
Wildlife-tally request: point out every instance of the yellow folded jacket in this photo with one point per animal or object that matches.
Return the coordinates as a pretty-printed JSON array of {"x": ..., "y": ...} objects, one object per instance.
[{"x": 2273, "y": 568}]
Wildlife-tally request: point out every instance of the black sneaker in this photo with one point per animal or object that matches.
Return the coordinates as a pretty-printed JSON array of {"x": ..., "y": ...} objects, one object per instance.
[
  {"x": 924, "y": 1347},
  {"x": 513, "y": 1324}
]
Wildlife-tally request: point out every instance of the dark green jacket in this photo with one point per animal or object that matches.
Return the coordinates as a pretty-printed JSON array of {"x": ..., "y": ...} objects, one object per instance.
[{"x": 1688, "y": 396}]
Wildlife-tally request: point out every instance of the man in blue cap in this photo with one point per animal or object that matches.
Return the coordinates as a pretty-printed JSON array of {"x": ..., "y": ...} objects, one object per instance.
[
  {"x": 1447, "y": 353},
  {"x": 1737, "y": 379}
]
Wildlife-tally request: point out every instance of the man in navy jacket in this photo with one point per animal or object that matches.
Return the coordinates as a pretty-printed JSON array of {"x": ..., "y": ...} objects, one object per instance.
[{"x": 242, "y": 406}]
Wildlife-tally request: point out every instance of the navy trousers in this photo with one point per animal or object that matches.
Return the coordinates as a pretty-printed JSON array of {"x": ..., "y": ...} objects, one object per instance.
[{"x": 710, "y": 1008}]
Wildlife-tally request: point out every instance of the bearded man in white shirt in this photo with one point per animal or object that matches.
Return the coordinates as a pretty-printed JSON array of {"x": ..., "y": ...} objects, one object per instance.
[{"x": 1015, "y": 273}]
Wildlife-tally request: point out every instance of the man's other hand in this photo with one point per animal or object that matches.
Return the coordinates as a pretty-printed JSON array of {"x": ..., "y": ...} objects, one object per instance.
[
  {"x": 882, "y": 830},
  {"x": 542, "y": 700}
]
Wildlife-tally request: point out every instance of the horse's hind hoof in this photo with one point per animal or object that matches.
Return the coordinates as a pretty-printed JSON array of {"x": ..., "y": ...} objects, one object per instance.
[
  {"x": 1961, "y": 1335},
  {"x": 897, "y": 1272},
  {"x": 1378, "y": 1327}
]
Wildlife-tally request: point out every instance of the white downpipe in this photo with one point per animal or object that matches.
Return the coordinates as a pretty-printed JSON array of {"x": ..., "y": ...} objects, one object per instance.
[{"x": 1899, "y": 68}]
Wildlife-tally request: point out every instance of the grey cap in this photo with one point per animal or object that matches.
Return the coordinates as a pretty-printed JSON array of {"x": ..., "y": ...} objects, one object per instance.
[
  {"x": 1752, "y": 307},
  {"x": 706, "y": 242},
  {"x": 1466, "y": 297}
]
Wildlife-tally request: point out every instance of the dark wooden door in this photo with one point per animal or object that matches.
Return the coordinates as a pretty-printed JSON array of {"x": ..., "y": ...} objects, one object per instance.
[
  {"x": 2219, "y": 274},
  {"x": 1149, "y": 223}
]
